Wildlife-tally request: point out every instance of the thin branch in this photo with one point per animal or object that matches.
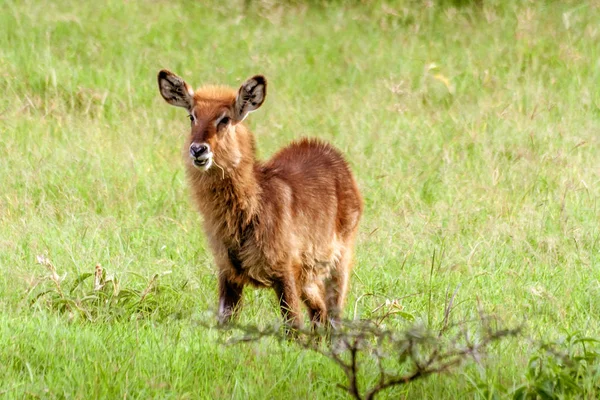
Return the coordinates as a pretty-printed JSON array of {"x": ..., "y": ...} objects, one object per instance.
[{"x": 422, "y": 351}]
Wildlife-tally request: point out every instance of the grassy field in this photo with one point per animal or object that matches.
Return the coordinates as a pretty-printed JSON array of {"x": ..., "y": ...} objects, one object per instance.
[{"x": 474, "y": 132}]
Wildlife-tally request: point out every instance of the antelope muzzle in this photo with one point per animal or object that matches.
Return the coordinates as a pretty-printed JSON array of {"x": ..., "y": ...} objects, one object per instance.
[{"x": 201, "y": 155}]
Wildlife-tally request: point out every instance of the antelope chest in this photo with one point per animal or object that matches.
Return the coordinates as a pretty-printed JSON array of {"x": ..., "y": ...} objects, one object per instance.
[{"x": 249, "y": 264}]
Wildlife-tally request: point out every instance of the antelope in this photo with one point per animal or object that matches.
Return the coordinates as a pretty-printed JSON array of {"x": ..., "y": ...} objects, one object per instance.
[{"x": 288, "y": 223}]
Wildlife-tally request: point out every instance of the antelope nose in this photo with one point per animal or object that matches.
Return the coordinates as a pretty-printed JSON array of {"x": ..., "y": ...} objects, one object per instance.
[{"x": 196, "y": 150}]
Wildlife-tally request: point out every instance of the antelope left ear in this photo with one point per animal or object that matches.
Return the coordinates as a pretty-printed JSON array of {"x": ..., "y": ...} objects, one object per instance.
[
  {"x": 250, "y": 97},
  {"x": 174, "y": 90}
]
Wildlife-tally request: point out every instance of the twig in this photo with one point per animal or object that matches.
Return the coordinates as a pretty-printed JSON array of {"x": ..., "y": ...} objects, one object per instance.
[{"x": 417, "y": 349}]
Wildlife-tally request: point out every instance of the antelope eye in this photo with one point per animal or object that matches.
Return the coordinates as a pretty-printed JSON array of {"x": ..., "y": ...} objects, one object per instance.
[
  {"x": 223, "y": 122},
  {"x": 191, "y": 117}
]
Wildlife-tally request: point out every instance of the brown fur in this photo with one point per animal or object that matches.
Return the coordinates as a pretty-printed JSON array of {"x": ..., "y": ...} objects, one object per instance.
[{"x": 288, "y": 223}]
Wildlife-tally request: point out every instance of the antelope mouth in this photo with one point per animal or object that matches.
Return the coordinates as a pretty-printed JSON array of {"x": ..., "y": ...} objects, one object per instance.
[{"x": 203, "y": 162}]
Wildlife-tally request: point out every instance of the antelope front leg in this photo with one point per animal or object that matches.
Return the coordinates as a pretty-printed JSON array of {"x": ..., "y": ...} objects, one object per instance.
[
  {"x": 230, "y": 296},
  {"x": 289, "y": 301}
]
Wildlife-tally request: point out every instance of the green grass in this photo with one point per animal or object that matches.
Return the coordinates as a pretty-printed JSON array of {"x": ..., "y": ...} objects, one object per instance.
[{"x": 474, "y": 132}]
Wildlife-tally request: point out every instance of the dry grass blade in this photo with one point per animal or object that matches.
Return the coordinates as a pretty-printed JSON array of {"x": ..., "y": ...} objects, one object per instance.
[{"x": 98, "y": 278}]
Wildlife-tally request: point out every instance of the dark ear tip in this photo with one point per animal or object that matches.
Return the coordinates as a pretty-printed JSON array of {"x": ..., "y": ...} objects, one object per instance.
[
  {"x": 164, "y": 73},
  {"x": 260, "y": 79}
]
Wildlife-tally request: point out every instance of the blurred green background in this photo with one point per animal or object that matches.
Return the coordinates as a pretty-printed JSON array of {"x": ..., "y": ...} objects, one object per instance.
[{"x": 472, "y": 127}]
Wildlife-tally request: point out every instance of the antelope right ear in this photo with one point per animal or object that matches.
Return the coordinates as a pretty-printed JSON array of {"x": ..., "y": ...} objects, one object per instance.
[
  {"x": 174, "y": 90},
  {"x": 250, "y": 97}
]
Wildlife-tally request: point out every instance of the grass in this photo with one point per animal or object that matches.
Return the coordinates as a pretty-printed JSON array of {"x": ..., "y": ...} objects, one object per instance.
[{"x": 474, "y": 133}]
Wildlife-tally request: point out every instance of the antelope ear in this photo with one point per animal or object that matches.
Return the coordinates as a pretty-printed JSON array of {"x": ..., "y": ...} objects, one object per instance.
[
  {"x": 250, "y": 97},
  {"x": 174, "y": 90}
]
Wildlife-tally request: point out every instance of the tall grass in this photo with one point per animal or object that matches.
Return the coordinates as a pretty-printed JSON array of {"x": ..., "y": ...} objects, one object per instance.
[{"x": 473, "y": 131}]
